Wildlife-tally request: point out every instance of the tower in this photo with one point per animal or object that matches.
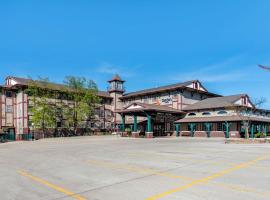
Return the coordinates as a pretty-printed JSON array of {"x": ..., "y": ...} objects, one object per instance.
[{"x": 116, "y": 90}]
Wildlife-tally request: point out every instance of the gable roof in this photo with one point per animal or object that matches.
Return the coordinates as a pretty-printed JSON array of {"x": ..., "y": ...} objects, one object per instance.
[
  {"x": 55, "y": 86},
  {"x": 165, "y": 88},
  {"x": 139, "y": 107},
  {"x": 216, "y": 102}
]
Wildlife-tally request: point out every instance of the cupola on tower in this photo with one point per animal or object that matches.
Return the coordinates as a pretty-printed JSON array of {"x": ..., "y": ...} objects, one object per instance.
[
  {"x": 116, "y": 84},
  {"x": 116, "y": 90}
]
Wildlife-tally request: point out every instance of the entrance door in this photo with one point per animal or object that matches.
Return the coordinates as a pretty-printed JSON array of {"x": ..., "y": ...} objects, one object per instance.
[
  {"x": 159, "y": 130},
  {"x": 11, "y": 134}
]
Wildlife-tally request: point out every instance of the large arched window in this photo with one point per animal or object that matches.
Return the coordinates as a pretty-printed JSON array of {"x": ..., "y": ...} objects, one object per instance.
[
  {"x": 206, "y": 113},
  {"x": 222, "y": 112},
  {"x": 191, "y": 114}
]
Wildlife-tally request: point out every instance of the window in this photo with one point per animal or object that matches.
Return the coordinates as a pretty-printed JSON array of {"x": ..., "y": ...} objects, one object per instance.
[
  {"x": 206, "y": 113},
  {"x": 108, "y": 113},
  {"x": 196, "y": 85},
  {"x": 8, "y": 94},
  {"x": 245, "y": 101},
  {"x": 97, "y": 112},
  {"x": 191, "y": 114},
  {"x": 9, "y": 109},
  {"x": 222, "y": 112},
  {"x": 145, "y": 100},
  {"x": 59, "y": 124},
  {"x": 220, "y": 127},
  {"x": 119, "y": 86}
]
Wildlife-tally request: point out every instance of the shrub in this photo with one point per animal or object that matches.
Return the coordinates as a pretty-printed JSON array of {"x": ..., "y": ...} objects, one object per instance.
[{"x": 259, "y": 135}]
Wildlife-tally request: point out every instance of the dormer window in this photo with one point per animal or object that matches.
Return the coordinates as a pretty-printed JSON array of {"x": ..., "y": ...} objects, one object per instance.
[
  {"x": 245, "y": 100},
  {"x": 196, "y": 85},
  {"x": 222, "y": 112},
  {"x": 206, "y": 113}
]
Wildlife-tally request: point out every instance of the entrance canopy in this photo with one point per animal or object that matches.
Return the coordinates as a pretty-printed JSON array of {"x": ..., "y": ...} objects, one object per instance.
[
  {"x": 142, "y": 108},
  {"x": 159, "y": 119}
]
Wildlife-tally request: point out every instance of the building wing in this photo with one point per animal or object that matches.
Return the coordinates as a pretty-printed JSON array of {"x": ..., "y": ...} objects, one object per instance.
[
  {"x": 221, "y": 102},
  {"x": 191, "y": 85}
]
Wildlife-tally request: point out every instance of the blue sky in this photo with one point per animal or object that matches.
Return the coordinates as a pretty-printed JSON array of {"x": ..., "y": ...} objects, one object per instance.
[{"x": 149, "y": 43}]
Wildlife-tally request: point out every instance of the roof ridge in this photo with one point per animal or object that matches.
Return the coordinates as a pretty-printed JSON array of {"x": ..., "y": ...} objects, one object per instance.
[
  {"x": 52, "y": 83},
  {"x": 179, "y": 83}
]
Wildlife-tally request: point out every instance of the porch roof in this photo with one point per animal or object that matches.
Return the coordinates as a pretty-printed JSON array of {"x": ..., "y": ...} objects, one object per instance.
[
  {"x": 221, "y": 118},
  {"x": 138, "y": 107}
]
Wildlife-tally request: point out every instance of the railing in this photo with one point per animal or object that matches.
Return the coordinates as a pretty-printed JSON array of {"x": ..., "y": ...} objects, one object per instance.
[{"x": 5, "y": 137}]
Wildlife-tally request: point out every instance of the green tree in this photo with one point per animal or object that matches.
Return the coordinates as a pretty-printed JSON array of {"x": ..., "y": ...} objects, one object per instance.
[
  {"x": 42, "y": 109},
  {"x": 83, "y": 94},
  {"x": 43, "y": 115}
]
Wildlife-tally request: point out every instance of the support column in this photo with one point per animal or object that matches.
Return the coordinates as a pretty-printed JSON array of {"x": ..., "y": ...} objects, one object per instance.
[
  {"x": 124, "y": 134},
  {"x": 252, "y": 131},
  {"x": 259, "y": 128},
  {"x": 177, "y": 130},
  {"x": 227, "y": 126},
  {"x": 208, "y": 129},
  {"x": 135, "y": 132},
  {"x": 265, "y": 130},
  {"x": 192, "y": 129},
  {"x": 123, "y": 123},
  {"x": 149, "y": 133}
]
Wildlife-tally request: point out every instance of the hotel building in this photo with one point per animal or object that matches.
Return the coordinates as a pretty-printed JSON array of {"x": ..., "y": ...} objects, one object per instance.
[{"x": 184, "y": 109}]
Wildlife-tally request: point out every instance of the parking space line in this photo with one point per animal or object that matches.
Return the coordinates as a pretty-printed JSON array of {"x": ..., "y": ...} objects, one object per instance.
[
  {"x": 233, "y": 187},
  {"x": 50, "y": 185},
  {"x": 208, "y": 178},
  {"x": 194, "y": 161},
  {"x": 176, "y": 158},
  {"x": 136, "y": 169},
  {"x": 241, "y": 189}
]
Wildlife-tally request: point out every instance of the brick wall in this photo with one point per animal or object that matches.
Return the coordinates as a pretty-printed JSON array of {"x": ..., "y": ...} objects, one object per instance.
[
  {"x": 200, "y": 134},
  {"x": 234, "y": 134},
  {"x": 217, "y": 134},
  {"x": 185, "y": 133}
]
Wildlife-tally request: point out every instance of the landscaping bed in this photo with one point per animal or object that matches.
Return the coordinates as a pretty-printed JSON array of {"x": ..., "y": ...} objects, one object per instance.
[{"x": 247, "y": 141}]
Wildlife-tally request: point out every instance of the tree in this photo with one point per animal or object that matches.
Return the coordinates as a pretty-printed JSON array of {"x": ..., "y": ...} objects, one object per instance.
[
  {"x": 41, "y": 109},
  {"x": 83, "y": 94},
  {"x": 248, "y": 112},
  {"x": 43, "y": 115}
]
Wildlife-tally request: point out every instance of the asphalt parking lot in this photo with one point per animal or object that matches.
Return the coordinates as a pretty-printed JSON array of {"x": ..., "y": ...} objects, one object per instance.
[{"x": 114, "y": 168}]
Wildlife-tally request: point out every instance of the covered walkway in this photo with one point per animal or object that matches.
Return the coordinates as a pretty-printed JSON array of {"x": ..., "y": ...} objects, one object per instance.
[
  {"x": 223, "y": 126},
  {"x": 156, "y": 120}
]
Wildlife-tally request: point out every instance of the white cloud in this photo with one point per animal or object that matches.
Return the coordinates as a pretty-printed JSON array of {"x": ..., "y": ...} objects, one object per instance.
[
  {"x": 108, "y": 68},
  {"x": 221, "y": 72},
  {"x": 212, "y": 76}
]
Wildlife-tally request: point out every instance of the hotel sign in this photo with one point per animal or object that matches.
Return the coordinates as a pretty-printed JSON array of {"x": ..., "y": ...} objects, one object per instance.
[{"x": 167, "y": 100}]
